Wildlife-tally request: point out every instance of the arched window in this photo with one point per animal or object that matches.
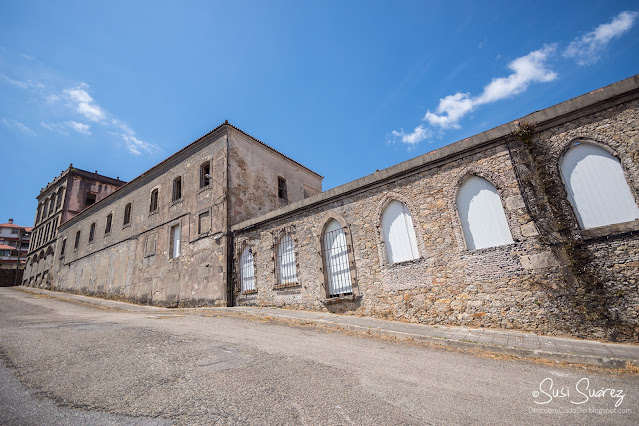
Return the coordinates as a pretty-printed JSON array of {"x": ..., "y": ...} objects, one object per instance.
[
  {"x": 247, "y": 270},
  {"x": 596, "y": 187},
  {"x": 482, "y": 215},
  {"x": 398, "y": 233},
  {"x": 286, "y": 268},
  {"x": 336, "y": 263}
]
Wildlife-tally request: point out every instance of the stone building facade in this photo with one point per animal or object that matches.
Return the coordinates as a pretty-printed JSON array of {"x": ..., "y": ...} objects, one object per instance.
[
  {"x": 551, "y": 273},
  {"x": 68, "y": 194},
  {"x": 163, "y": 238},
  {"x": 531, "y": 225}
]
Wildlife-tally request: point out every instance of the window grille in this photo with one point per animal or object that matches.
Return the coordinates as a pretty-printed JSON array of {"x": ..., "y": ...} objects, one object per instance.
[
  {"x": 336, "y": 263},
  {"x": 247, "y": 271},
  {"x": 286, "y": 268}
]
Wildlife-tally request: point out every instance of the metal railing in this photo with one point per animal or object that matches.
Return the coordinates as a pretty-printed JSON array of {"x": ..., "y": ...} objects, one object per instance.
[{"x": 336, "y": 263}]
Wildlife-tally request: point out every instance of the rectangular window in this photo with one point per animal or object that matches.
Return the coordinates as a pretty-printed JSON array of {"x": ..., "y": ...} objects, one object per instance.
[
  {"x": 107, "y": 228},
  {"x": 91, "y": 197},
  {"x": 281, "y": 188},
  {"x": 174, "y": 246},
  {"x": 204, "y": 223},
  {"x": 205, "y": 175},
  {"x": 77, "y": 240},
  {"x": 63, "y": 247},
  {"x": 153, "y": 206},
  {"x": 177, "y": 189},
  {"x": 91, "y": 232},
  {"x": 127, "y": 215}
]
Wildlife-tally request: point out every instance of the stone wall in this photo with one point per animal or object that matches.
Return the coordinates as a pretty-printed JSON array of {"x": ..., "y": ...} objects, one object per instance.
[{"x": 553, "y": 279}]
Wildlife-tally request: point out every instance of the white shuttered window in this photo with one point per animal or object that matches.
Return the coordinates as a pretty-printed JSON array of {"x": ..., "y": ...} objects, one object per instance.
[
  {"x": 596, "y": 187},
  {"x": 287, "y": 270},
  {"x": 482, "y": 215},
  {"x": 335, "y": 252},
  {"x": 247, "y": 271},
  {"x": 399, "y": 233}
]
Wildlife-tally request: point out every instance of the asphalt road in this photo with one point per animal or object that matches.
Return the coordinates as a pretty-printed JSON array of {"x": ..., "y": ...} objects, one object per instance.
[{"x": 65, "y": 363}]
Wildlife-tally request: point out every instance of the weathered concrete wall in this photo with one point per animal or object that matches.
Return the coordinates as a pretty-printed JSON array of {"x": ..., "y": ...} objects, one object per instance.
[
  {"x": 554, "y": 278},
  {"x": 254, "y": 172},
  {"x": 132, "y": 262}
]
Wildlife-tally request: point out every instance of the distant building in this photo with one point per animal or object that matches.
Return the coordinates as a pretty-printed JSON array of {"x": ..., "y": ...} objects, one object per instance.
[
  {"x": 67, "y": 195},
  {"x": 14, "y": 247}
]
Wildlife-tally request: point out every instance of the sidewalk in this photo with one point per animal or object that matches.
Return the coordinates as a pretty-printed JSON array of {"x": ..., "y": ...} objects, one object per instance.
[{"x": 517, "y": 343}]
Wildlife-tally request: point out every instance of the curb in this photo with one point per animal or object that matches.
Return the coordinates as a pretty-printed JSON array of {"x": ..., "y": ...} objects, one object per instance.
[{"x": 571, "y": 358}]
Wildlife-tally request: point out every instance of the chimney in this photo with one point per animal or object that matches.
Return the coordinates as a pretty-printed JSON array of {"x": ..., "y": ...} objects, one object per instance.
[{"x": 10, "y": 220}]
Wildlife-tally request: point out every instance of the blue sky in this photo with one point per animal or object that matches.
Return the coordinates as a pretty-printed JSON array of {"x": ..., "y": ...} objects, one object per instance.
[{"x": 343, "y": 87}]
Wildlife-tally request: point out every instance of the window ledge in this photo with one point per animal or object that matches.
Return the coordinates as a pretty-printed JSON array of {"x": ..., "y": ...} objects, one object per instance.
[
  {"x": 128, "y": 225},
  {"x": 286, "y": 286},
  {"x": 247, "y": 292},
  {"x": 205, "y": 188},
  {"x": 178, "y": 201},
  {"x": 405, "y": 263},
  {"x": 341, "y": 299},
  {"x": 154, "y": 212},
  {"x": 489, "y": 249},
  {"x": 607, "y": 230}
]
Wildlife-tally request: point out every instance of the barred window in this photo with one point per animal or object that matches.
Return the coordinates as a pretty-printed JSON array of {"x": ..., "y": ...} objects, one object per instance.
[
  {"x": 247, "y": 271},
  {"x": 337, "y": 268},
  {"x": 286, "y": 267}
]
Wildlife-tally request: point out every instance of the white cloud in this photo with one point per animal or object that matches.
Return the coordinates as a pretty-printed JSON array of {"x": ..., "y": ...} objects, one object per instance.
[
  {"x": 133, "y": 144},
  {"x": 419, "y": 134},
  {"x": 587, "y": 49},
  {"x": 85, "y": 129},
  {"x": 54, "y": 127},
  {"x": 15, "y": 124},
  {"x": 83, "y": 103},
  {"x": 28, "y": 84},
  {"x": 528, "y": 69}
]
